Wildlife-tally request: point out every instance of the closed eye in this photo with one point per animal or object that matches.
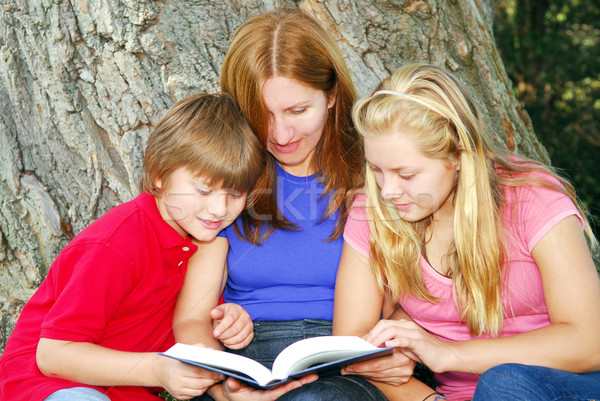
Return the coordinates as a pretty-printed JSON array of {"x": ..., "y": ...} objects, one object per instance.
[
  {"x": 298, "y": 111},
  {"x": 374, "y": 169}
]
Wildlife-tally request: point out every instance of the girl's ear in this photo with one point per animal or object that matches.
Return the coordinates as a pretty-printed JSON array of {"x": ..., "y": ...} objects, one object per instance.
[
  {"x": 456, "y": 163},
  {"x": 158, "y": 183}
]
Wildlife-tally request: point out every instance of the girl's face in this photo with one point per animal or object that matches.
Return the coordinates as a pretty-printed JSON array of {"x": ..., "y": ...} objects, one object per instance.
[
  {"x": 417, "y": 185},
  {"x": 191, "y": 206},
  {"x": 297, "y": 117}
]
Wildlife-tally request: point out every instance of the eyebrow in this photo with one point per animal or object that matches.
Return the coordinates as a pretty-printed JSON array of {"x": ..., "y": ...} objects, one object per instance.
[
  {"x": 299, "y": 104},
  {"x": 400, "y": 168}
]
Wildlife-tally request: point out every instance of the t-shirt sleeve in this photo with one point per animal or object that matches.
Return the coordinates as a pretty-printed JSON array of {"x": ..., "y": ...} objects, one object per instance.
[
  {"x": 540, "y": 209},
  {"x": 89, "y": 283},
  {"x": 356, "y": 231}
]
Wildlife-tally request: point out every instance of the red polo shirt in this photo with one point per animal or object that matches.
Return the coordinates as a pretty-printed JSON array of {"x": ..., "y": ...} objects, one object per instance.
[{"x": 114, "y": 285}]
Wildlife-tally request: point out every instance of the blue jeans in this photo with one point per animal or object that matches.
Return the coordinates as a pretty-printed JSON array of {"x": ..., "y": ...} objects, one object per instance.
[
  {"x": 77, "y": 394},
  {"x": 517, "y": 382},
  {"x": 270, "y": 338}
]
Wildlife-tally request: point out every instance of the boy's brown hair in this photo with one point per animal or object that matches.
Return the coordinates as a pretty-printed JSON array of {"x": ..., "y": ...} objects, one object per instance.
[{"x": 208, "y": 135}]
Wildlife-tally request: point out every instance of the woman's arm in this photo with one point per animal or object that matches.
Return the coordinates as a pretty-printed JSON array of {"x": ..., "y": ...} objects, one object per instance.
[
  {"x": 358, "y": 307},
  {"x": 571, "y": 342},
  {"x": 199, "y": 295}
]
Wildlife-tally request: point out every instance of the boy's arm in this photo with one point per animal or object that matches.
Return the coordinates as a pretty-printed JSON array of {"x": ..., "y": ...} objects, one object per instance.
[{"x": 92, "y": 364}]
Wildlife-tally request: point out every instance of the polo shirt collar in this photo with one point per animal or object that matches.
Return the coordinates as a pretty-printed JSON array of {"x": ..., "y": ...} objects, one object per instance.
[{"x": 168, "y": 237}]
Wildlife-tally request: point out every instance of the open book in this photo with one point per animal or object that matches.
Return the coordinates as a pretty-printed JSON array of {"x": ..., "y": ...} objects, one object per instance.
[{"x": 321, "y": 355}]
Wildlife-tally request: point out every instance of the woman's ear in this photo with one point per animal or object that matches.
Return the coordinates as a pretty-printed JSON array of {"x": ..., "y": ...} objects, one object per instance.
[{"x": 331, "y": 99}]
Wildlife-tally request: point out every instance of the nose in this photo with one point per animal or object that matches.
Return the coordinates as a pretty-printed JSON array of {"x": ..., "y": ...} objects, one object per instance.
[
  {"x": 390, "y": 188},
  {"x": 280, "y": 130},
  {"x": 217, "y": 205}
]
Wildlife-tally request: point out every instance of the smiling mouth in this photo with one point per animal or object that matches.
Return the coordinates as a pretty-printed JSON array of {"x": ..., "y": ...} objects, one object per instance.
[
  {"x": 213, "y": 225},
  {"x": 402, "y": 206},
  {"x": 290, "y": 147}
]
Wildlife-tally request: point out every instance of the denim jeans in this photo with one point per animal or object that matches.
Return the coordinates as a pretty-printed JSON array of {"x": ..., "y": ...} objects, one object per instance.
[
  {"x": 517, "y": 382},
  {"x": 270, "y": 338},
  {"x": 77, "y": 394}
]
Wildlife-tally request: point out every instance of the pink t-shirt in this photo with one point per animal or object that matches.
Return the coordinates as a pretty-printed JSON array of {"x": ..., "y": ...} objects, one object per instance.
[{"x": 530, "y": 212}]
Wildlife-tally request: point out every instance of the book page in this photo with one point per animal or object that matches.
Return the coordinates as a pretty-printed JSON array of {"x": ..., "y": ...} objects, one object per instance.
[
  {"x": 311, "y": 351},
  {"x": 223, "y": 360}
]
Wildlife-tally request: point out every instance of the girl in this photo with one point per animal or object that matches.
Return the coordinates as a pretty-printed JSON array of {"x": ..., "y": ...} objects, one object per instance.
[
  {"x": 483, "y": 251},
  {"x": 280, "y": 258}
]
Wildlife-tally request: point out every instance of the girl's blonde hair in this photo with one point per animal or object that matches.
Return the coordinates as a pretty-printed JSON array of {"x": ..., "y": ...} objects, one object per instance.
[
  {"x": 293, "y": 45},
  {"x": 208, "y": 135},
  {"x": 446, "y": 125}
]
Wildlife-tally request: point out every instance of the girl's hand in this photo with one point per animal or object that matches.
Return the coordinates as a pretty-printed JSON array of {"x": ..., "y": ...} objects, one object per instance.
[
  {"x": 412, "y": 341},
  {"x": 395, "y": 369},
  {"x": 234, "y": 390},
  {"x": 232, "y": 325},
  {"x": 184, "y": 381}
]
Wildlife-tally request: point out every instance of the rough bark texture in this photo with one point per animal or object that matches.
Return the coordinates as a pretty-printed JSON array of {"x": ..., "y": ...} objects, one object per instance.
[{"x": 82, "y": 83}]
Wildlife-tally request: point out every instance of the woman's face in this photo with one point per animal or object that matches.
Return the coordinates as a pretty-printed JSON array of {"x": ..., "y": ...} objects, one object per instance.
[
  {"x": 417, "y": 185},
  {"x": 297, "y": 117}
]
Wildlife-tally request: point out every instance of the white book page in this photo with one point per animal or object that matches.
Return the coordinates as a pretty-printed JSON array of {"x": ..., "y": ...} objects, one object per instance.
[
  {"x": 310, "y": 351},
  {"x": 222, "y": 360}
]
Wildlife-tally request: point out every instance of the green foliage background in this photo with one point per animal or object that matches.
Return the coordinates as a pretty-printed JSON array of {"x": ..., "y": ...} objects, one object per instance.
[{"x": 551, "y": 51}]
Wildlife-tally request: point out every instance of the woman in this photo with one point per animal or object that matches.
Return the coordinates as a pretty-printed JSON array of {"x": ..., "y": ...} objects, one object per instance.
[
  {"x": 280, "y": 258},
  {"x": 483, "y": 251}
]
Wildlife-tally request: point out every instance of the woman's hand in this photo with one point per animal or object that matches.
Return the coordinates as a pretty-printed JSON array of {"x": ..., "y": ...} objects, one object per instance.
[
  {"x": 232, "y": 325},
  {"x": 395, "y": 369},
  {"x": 412, "y": 341}
]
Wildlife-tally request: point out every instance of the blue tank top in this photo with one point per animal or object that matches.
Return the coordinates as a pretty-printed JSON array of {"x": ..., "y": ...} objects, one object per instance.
[{"x": 291, "y": 276}]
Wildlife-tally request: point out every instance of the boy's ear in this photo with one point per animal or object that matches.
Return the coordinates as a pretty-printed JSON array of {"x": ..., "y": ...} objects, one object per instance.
[{"x": 158, "y": 183}]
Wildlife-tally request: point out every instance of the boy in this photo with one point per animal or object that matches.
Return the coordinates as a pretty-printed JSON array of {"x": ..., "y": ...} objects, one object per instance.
[{"x": 92, "y": 329}]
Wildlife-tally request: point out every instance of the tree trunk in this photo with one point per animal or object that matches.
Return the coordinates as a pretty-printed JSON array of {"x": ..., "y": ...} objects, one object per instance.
[{"x": 83, "y": 82}]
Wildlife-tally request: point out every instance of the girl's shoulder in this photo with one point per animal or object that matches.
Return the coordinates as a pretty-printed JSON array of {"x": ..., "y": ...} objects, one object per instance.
[{"x": 528, "y": 173}]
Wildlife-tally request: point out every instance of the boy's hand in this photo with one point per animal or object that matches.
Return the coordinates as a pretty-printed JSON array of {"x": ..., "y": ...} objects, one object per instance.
[
  {"x": 184, "y": 381},
  {"x": 233, "y": 390},
  {"x": 232, "y": 325}
]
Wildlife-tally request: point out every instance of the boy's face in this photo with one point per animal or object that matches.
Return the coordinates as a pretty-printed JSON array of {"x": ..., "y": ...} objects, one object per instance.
[{"x": 192, "y": 207}]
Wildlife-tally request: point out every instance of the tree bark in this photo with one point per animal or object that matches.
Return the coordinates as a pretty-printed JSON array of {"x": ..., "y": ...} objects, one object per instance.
[{"x": 83, "y": 82}]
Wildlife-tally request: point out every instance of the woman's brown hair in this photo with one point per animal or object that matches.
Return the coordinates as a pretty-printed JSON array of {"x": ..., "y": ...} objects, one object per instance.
[{"x": 291, "y": 44}]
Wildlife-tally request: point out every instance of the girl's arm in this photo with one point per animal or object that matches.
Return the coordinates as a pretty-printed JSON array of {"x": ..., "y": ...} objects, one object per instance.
[
  {"x": 572, "y": 292},
  {"x": 358, "y": 307},
  {"x": 571, "y": 342},
  {"x": 92, "y": 364},
  {"x": 358, "y": 302},
  {"x": 196, "y": 311}
]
